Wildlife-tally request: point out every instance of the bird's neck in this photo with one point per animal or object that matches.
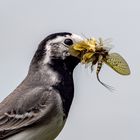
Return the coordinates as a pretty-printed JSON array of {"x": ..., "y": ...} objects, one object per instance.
[
  {"x": 66, "y": 85},
  {"x": 59, "y": 75}
]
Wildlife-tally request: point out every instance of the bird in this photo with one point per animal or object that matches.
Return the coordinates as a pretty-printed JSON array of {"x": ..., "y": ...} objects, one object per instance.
[{"x": 38, "y": 108}]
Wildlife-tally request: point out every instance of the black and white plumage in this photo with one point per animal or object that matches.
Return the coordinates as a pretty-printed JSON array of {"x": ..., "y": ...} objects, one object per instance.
[{"x": 38, "y": 108}]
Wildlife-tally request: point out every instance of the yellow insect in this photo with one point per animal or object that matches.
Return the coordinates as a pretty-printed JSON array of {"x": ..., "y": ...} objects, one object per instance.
[{"x": 96, "y": 52}]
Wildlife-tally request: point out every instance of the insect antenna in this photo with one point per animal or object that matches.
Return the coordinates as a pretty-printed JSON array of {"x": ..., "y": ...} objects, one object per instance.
[{"x": 84, "y": 36}]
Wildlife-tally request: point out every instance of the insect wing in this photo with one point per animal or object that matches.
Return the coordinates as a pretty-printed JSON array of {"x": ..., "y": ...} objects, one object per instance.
[
  {"x": 87, "y": 57},
  {"x": 74, "y": 52},
  {"x": 117, "y": 63},
  {"x": 81, "y": 46}
]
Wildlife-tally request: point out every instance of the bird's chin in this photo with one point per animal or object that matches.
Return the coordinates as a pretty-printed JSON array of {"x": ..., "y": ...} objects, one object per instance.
[{"x": 72, "y": 62}]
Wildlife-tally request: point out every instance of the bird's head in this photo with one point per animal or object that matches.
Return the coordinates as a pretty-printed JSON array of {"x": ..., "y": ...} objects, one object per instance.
[{"x": 54, "y": 50}]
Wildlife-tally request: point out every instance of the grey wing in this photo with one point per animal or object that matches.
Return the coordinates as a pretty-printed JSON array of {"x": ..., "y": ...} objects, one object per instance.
[{"x": 22, "y": 111}]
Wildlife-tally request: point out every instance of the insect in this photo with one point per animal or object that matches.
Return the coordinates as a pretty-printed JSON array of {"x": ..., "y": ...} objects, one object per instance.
[{"x": 96, "y": 52}]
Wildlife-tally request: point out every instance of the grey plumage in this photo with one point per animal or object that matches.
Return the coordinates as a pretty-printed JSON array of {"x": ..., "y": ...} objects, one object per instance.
[{"x": 39, "y": 106}]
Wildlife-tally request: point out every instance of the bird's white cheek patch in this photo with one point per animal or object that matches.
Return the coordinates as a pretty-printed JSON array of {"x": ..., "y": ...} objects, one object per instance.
[
  {"x": 60, "y": 52},
  {"x": 65, "y": 54}
]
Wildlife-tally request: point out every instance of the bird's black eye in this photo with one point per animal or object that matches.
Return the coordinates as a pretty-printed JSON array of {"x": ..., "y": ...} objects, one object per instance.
[{"x": 68, "y": 42}]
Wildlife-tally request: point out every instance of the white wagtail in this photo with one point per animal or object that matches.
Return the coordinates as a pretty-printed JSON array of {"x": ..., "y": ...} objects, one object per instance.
[{"x": 38, "y": 108}]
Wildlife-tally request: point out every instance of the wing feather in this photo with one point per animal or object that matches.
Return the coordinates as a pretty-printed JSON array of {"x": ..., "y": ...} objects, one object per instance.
[{"x": 13, "y": 121}]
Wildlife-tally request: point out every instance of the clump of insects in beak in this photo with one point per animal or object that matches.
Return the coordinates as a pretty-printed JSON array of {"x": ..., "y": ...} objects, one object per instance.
[{"x": 97, "y": 52}]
